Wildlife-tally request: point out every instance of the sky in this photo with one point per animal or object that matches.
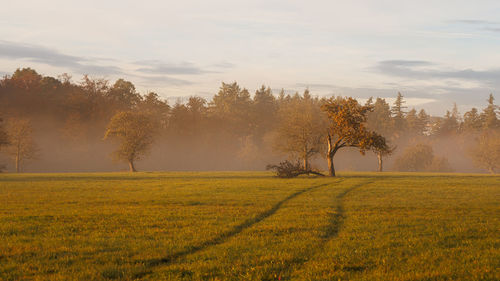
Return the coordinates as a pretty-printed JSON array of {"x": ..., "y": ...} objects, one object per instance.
[{"x": 434, "y": 52}]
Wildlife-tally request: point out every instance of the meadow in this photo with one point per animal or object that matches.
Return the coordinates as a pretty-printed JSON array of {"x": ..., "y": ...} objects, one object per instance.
[{"x": 249, "y": 226}]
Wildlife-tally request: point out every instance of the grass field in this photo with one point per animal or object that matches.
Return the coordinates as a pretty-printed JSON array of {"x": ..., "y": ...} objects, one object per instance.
[{"x": 249, "y": 226}]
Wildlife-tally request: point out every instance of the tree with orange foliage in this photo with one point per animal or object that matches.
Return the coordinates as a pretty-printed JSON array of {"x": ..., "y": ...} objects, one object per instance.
[{"x": 347, "y": 128}]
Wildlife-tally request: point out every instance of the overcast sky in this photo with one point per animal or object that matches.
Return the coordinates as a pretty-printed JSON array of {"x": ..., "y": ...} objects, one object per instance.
[{"x": 433, "y": 52}]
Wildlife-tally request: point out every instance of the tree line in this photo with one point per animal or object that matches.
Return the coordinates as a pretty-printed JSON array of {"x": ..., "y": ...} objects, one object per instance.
[{"x": 234, "y": 126}]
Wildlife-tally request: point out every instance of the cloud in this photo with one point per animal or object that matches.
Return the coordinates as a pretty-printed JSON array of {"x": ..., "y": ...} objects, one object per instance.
[
  {"x": 493, "y": 26},
  {"x": 223, "y": 64},
  {"x": 407, "y": 63},
  {"x": 84, "y": 65},
  {"x": 158, "y": 67},
  {"x": 473, "y": 22},
  {"x": 493, "y": 29},
  {"x": 16, "y": 50},
  {"x": 424, "y": 70},
  {"x": 52, "y": 57},
  {"x": 162, "y": 80},
  {"x": 316, "y": 86}
]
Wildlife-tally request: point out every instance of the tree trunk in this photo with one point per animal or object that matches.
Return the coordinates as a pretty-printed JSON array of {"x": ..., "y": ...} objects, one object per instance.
[
  {"x": 329, "y": 156},
  {"x": 380, "y": 164},
  {"x": 18, "y": 163},
  {"x": 331, "y": 167},
  {"x": 131, "y": 166},
  {"x": 306, "y": 163}
]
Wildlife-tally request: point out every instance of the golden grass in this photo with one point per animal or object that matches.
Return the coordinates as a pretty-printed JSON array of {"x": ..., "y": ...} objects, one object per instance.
[{"x": 249, "y": 226}]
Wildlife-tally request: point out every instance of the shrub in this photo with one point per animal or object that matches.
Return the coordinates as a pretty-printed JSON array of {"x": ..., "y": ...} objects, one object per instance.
[
  {"x": 440, "y": 164},
  {"x": 415, "y": 158}
]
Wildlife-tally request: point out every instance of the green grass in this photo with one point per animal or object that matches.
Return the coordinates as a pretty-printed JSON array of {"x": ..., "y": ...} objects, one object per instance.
[{"x": 249, "y": 226}]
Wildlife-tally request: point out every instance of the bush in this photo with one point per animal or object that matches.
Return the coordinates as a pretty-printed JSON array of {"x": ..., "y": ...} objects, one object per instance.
[
  {"x": 440, "y": 164},
  {"x": 486, "y": 151},
  {"x": 415, "y": 158},
  {"x": 420, "y": 158}
]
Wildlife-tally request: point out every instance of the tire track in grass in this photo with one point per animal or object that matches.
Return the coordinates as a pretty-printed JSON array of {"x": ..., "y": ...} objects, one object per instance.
[
  {"x": 223, "y": 237},
  {"x": 336, "y": 221}
]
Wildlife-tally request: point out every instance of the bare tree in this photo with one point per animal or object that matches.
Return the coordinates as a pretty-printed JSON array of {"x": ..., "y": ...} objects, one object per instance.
[
  {"x": 135, "y": 133},
  {"x": 4, "y": 140},
  {"x": 301, "y": 128},
  {"x": 22, "y": 146}
]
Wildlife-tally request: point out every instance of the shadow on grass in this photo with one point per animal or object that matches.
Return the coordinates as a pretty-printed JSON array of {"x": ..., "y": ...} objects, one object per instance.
[{"x": 230, "y": 233}]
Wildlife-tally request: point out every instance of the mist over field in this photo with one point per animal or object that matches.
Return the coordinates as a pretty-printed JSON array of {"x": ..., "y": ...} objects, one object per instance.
[{"x": 233, "y": 130}]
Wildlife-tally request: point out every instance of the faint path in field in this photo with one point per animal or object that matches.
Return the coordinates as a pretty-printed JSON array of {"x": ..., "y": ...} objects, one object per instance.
[
  {"x": 337, "y": 219},
  {"x": 223, "y": 237}
]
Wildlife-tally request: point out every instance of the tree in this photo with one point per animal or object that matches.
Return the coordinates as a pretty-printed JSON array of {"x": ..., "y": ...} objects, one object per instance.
[
  {"x": 489, "y": 115},
  {"x": 123, "y": 95},
  {"x": 197, "y": 111},
  {"x": 4, "y": 140},
  {"x": 486, "y": 153},
  {"x": 22, "y": 145},
  {"x": 417, "y": 123},
  {"x": 300, "y": 128},
  {"x": 135, "y": 133},
  {"x": 415, "y": 158},
  {"x": 412, "y": 122},
  {"x": 449, "y": 124},
  {"x": 472, "y": 121},
  {"x": 382, "y": 149},
  {"x": 265, "y": 108},
  {"x": 440, "y": 164},
  {"x": 347, "y": 128},
  {"x": 231, "y": 106},
  {"x": 26, "y": 78},
  {"x": 379, "y": 119},
  {"x": 423, "y": 122},
  {"x": 188, "y": 120},
  {"x": 157, "y": 108},
  {"x": 398, "y": 114}
]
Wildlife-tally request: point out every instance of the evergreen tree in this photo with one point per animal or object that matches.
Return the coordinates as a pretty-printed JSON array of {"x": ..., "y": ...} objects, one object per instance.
[
  {"x": 449, "y": 124},
  {"x": 489, "y": 115},
  {"x": 423, "y": 122},
  {"x": 264, "y": 111},
  {"x": 412, "y": 122},
  {"x": 472, "y": 121},
  {"x": 231, "y": 106},
  {"x": 398, "y": 114},
  {"x": 379, "y": 119}
]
